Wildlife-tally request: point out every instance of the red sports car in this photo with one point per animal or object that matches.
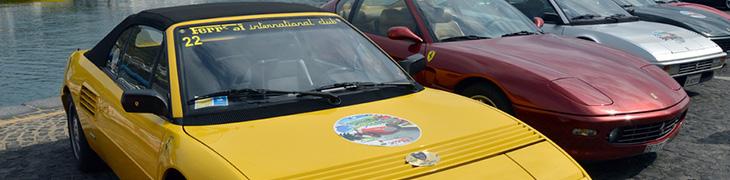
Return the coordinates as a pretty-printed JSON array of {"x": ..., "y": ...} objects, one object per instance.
[{"x": 596, "y": 102}]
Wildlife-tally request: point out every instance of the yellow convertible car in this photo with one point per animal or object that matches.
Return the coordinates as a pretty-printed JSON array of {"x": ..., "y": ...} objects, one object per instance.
[{"x": 280, "y": 91}]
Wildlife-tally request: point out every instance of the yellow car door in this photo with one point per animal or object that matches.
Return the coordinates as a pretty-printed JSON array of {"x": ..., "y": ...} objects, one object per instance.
[{"x": 136, "y": 138}]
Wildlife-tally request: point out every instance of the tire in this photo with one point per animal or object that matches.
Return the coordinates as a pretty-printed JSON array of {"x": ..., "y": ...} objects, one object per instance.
[
  {"x": 88, "y": 160},
  {"x": 489, "y": 94},
  {"x": 727, "y": 4}
]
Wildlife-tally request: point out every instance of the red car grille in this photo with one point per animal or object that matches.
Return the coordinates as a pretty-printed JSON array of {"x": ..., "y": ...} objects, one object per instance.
[
  {"x": 644, "y": 133},
  {"x": 695, "y": 66}
]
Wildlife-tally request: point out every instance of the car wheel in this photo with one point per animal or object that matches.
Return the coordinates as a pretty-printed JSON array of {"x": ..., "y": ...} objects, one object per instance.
[
  {"x": 88, "y": 160},
  {"x": 727, "y": 4},
  {"x": 489, "y": 94}
]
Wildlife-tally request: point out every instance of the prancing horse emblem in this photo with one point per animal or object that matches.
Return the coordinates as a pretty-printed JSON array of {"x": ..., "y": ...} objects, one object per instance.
[{"x": 422, "y": 158}]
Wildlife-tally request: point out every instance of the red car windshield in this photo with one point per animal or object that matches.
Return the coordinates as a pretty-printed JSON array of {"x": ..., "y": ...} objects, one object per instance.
[{"x": 476, "y": 18}]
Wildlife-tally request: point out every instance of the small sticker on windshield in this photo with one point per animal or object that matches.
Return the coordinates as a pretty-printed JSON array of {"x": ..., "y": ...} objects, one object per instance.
[
  {"x": 211, "y": 102},
  {"x": 693, "y": 14}
]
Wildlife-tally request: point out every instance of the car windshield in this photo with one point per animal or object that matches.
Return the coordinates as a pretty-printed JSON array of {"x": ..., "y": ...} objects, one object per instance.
[
  {"x": 636, "y": 3},
  {"x": 581, "y": 10},
  {"x": 474, "y": 19},
  {"x": 278, "y": 55}
]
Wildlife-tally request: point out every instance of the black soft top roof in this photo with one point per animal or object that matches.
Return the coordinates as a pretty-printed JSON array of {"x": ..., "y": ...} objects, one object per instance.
[{"x": 162, "y": 18}]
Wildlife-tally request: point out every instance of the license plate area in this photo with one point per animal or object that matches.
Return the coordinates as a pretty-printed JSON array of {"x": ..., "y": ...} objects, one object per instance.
[
  {"x": 655, "y": 147},
  {"x": 693, "y": 80}
]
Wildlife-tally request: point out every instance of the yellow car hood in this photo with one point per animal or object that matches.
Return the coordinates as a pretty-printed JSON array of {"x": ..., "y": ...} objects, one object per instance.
[{"x": 459, "y": 130}]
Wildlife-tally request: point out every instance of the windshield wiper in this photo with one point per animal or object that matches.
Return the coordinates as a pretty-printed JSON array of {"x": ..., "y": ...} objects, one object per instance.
[
  {"x": 585, "y": 16},
  {"x": 521, "y": 33},
  {"x": 264, "y": 93},
  {"x": 349, "y": 86},
  {"x": 615, "y": 17},
  {"x": 467, "y": 37},
  {"x": 626, "y": 6}
]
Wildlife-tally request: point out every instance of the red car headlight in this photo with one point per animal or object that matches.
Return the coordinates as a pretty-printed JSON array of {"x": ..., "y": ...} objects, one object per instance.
[
  {"x": 662, "y": 76},
  {"x": 580, "y": 91}
]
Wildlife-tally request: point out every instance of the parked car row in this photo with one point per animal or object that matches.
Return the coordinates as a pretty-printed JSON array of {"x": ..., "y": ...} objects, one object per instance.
[{"x": 287, "y": 91}]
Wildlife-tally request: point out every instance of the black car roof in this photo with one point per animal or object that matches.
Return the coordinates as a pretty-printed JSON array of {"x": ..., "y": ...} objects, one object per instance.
[
  {"x": 162, "y": 18},
  {"x": 165, "y": 17}
]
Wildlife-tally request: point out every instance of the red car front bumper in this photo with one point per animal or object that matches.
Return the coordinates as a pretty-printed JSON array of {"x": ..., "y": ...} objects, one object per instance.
[{"x": 638, "y": 130}]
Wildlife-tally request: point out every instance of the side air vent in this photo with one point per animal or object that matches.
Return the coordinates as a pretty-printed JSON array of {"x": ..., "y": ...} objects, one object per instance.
[{"x": 87, "y": 101}]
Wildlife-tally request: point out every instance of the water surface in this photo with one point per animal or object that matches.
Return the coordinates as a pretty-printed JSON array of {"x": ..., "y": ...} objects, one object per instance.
[{"x": 37, "y": 37}]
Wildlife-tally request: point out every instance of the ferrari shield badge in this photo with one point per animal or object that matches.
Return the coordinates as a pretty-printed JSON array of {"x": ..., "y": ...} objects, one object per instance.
[
  {"x": 693, "y": 14},
  {"x": 422, "y": 158},
  {"x": 667, "y": 36},
  {"x": 377, "y": 130}
]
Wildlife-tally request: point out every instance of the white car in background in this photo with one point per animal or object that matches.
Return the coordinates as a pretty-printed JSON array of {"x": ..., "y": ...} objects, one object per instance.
[{"x": 687, "y": 56}]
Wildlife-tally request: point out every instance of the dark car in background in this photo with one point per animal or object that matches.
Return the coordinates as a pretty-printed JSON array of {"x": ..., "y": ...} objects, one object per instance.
[{"x": 723, "y": 4}]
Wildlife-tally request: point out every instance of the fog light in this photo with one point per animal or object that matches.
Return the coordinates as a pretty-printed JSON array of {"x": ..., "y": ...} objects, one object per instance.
[
  {"x": 584, "y": 132},
  {"x": 613, "y": 135}
]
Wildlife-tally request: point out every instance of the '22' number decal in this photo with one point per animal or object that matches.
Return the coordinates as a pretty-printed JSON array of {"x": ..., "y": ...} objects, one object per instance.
[{"x": 192, "y": 41}]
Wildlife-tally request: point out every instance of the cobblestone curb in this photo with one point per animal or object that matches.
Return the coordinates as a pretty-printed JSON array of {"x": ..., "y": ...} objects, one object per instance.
[{"x": 29, "y": 108}]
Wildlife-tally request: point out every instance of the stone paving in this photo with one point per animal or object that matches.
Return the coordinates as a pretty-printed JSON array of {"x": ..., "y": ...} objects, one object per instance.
[{"x": 35, "y": 145}]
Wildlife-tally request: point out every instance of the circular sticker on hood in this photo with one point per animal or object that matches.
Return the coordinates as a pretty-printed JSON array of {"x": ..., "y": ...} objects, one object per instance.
[
  {"x": 667, "y": 36},
  {"x": 377, "y": 130},
  {"x": 693, "y": 14}
]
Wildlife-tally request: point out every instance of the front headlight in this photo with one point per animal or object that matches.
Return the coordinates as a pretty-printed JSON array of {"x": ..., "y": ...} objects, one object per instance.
[
  {"x": 580, "y": 91},
  {"x": 661, "y": 76}
]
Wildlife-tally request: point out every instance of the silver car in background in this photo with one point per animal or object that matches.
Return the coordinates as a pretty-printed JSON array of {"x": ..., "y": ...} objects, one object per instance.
[{"x": 687, "y": 56}]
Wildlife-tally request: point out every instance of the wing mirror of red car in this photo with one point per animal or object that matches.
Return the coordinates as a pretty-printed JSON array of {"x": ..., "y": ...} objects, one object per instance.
[
  {"x": 403, "y": 33},
  {"x": 413, "y": 64},
  {"x": 144, "y": 101},
  {"x": 539, "y": 22}
]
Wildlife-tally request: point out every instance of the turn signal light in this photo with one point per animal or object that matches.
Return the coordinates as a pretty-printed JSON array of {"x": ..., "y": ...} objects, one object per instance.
[
  {"x": 671, "y": 69},
  {"x": 719, "y": 62},
  {"x": 584, "y": 132}
]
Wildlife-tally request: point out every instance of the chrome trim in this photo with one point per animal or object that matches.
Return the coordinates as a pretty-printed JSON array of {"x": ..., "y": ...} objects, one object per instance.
[
  {"x": 696, "y": 72},
  {"x": 682, "y": 61},
  {"x": 720, "y": 38}
]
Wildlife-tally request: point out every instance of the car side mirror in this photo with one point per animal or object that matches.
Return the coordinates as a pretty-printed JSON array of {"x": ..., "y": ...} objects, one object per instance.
[
  {"x": 631, "y": 10},
  {"x": 552, "y": 18},
  {"x": 413, "y": 64},
  {"x": 539, "y": 22},
  {"x": 403, "y": 33},
  {"x": 144, "y": 101}
]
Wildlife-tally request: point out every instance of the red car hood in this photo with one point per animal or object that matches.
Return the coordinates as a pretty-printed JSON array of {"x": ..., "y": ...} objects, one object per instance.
[
  {"x": 702, "y": 7},
  {"x": 614, "y": 73}
]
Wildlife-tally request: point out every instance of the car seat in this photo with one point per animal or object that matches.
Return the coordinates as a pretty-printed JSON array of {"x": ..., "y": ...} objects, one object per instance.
[
  {"x": 444, "y": 25},
  {"x": 393, "y": 17},
  {"x": 531, "y": 8},
  {"x": 284, "y": 75}
]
